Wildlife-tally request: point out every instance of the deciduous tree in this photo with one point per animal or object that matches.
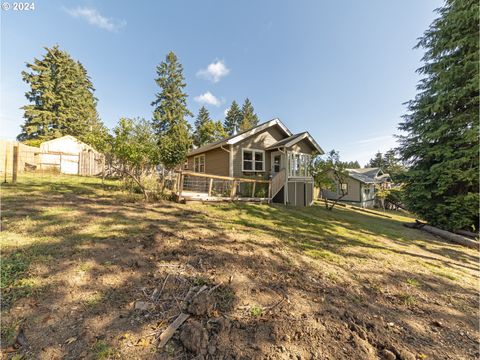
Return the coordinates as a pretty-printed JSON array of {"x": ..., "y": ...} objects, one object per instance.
[{"x": 329, "y": 174}]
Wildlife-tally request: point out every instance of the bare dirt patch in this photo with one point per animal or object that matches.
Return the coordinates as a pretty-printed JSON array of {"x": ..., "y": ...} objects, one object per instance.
[{"x": 87, "y": 275}]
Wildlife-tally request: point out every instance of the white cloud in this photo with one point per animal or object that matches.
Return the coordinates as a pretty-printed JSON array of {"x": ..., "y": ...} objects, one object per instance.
[
  {"x": 374, "y": 139},
  {"x": 225, "y": 112},
  {"x": 214, "y": 71},
  {"x": 207, "y": 98},
  {"x": 93, "y": 17}
]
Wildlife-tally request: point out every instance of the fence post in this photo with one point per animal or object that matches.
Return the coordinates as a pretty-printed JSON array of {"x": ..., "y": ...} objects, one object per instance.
[
  {"x": 103, "y": 168},
  {"x": 233, "y": 191},
  {"x": 270, "y": 190},
  {"x": 6, "y": 162},
  {"x": 210, "y": 185},
  {"x": 180, "y": 187},
  {"x": 253, "y": 189},
  {"x": 15, "y": 164}
]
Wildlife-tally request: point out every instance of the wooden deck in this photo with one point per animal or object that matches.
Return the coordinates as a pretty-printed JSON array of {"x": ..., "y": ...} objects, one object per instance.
[
  {"x": 193, "y": 186},
  {"x": 201, "y": 196}
]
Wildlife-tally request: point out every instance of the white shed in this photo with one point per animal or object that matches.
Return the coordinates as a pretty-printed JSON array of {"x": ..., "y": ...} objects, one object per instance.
[{"x": 69, "y": 155}]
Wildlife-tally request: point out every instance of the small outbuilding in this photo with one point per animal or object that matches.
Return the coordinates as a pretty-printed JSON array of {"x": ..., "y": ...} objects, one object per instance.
[{"x": 70, "y": 156}]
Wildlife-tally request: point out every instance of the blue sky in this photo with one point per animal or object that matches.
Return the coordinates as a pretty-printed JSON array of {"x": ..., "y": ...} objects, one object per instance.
[{"x": 339, "y": 69}]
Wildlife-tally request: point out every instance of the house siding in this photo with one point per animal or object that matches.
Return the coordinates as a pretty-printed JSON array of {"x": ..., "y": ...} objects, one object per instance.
[
  {"x": 302, "y": 147},
  {"x": 216, "y": 162},
  {"x": 354, "y": 192},
  {"x": 258, "y": 141}
]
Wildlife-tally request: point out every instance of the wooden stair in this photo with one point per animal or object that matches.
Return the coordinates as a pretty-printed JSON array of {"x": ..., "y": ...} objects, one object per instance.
[{"x": 278, "y": 181}]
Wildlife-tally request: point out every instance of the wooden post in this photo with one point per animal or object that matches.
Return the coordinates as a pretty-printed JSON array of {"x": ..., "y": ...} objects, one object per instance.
[
  {"x": 15, "y": 164},
  {"x": 103, "y": 169},
  {"x": 233, "y": 191},
  {"x": 270, "y": 190},
  {"x": 253, "y": 190},
  {"x": 6, "y": 162},
  {"x": 210, "y": 185},
  {"x": 180, "y": 187}
]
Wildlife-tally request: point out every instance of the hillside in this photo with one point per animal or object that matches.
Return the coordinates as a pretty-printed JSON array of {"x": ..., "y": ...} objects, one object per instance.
[{"x": 81, "y": 261}]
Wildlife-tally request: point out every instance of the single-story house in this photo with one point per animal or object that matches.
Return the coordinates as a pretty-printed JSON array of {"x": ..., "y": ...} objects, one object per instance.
[
  {"x": 359, "y": 188},
  {"x": 266, "y": 151}
]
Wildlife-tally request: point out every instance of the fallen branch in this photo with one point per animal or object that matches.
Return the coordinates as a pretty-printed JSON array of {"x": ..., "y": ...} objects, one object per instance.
[
  {"x": 458, "y": 239},
  {"x": 214, "y": 288},
  {"x": 268, "y": 308},
  {"x": 170, "y": 330},
  {"x": 467, "y": 234},
  {"x": 157, "y": 293}
]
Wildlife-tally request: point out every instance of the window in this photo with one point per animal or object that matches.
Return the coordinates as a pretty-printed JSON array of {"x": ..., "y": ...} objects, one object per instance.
[
  {"x": 199, "y": 163},
  {"x": 185, "y": 166},
  {"x": 343, "y": 189},
  {"x": 253, "y": 160},
  {"x": 276, "y": 163},
  {"x": 298, "y": 165}
]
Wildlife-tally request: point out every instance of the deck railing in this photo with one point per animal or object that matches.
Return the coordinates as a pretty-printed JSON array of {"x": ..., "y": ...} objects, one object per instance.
[{"x": 215, "y": 187}]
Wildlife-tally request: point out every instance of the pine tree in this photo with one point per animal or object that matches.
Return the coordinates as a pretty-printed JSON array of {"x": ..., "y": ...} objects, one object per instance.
[
  {"x": 206, "y": 130},
  {"x": 169, "y": 116},
  {"x": 233, "y": 119},
  {"x": 63, "y": 103},
  {"x": 377, "y": 161},
  {"x": 249, "y": 118},
  {"x": 441, "y": 147}
]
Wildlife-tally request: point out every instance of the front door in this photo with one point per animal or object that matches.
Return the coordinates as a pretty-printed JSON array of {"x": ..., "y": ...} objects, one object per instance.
[{"x": 277, "y": 162}]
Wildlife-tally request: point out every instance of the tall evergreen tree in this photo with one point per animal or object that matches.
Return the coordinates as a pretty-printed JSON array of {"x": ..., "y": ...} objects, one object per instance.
[
  {"x": 249, "y": 118},
  {"x": 62, "y": 100},
  {"x": 169, "y": 115},
  {"x": 377, "y": 161},
  {"x": 441, "y": 146},
  {"x": 206, "y": 130},
  {"x": 233, "y": 119}
]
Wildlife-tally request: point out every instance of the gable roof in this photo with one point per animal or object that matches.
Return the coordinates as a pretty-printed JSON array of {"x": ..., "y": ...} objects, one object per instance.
[
  {"x": 292, "y": 140},
  {"x": 69, "y": 137},
  {"x": 241, "y": 136},
  {"x": 368, "y": 175}
]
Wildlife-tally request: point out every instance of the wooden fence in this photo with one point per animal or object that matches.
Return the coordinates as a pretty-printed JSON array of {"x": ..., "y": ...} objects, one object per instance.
[{"x": 18, "y": 158}]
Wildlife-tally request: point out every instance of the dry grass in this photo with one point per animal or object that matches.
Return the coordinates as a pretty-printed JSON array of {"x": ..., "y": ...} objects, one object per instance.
[{"x": 76, "y": 254}]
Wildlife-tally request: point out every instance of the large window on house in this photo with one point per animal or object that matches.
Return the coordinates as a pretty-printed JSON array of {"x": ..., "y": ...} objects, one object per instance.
[
  {"x": 298, "y": 165},
  {"x": 199, "y": 163},
  {"x": 253, "y": 160}
]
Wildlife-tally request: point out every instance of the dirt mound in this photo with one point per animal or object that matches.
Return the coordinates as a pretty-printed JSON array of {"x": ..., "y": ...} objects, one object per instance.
[{"x": 194, "y": 337}]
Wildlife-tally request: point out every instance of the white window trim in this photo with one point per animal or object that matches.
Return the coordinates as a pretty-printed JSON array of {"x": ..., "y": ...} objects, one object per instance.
[
  {"x": 254, "y": 151},
  {"x": 194, "y": 163},
  {"x": 293, "y": 153}
]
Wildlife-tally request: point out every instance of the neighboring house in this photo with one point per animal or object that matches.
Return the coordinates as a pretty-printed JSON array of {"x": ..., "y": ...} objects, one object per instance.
[
  {"x": 70, "y": 156},
  {"x": 359, "y": 187},
  {"x": 267, "y": 151}
]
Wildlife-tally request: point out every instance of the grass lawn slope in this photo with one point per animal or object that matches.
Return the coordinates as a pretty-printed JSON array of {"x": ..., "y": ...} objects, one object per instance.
[{"x": 80, "y": 261}]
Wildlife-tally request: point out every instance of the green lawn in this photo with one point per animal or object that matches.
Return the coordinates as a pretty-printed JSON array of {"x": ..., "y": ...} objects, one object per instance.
[{"x": 76, "y": 253}]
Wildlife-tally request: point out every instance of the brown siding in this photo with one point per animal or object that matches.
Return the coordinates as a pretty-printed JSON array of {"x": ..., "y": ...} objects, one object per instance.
[
  {"x": 353, "y": 188},
  {"x": 258, "y": 141},
  {"x": 216, "y": 162},
  {"x": 302, "y": 146}
]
